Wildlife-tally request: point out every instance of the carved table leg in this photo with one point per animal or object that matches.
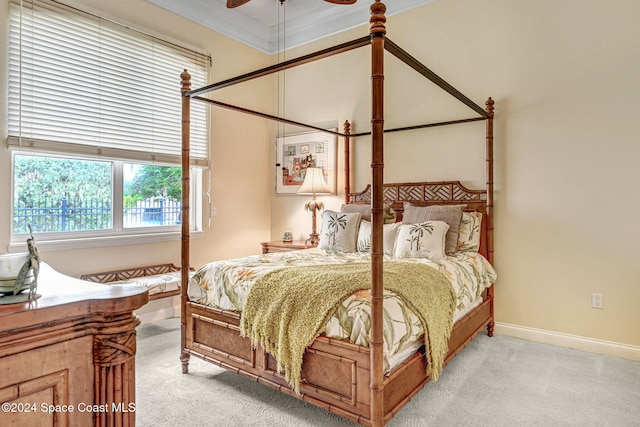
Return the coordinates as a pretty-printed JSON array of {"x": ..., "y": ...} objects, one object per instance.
[{"x": 114, "y": 350}]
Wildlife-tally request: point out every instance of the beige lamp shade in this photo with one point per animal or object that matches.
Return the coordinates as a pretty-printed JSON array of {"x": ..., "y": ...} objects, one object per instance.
[{"x": 314, "y": 183}]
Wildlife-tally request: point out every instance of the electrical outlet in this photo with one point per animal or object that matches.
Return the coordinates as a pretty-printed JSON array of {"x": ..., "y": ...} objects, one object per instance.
[
  {"x": 596, "y": 300},
  {"x": 213, "y": 212}
]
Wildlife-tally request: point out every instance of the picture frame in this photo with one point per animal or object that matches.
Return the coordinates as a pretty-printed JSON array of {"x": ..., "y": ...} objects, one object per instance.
[{"x": 296, "y": 152}]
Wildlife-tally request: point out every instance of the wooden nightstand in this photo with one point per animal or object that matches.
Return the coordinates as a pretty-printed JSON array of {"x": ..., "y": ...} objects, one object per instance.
[{"x": 280, "y": 246}]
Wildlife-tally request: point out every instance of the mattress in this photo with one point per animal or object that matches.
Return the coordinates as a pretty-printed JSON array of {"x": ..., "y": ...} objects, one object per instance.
[{"x": 226, "y": 284}]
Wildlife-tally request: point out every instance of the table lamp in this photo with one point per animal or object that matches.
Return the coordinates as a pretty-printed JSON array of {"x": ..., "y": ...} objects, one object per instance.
[{"x": 314, "y": 183}]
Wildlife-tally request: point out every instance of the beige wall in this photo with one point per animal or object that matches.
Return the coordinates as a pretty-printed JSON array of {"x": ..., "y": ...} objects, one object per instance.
[
  {"x": 564, "y": 77},
  {"x": 238, "y": 164}
]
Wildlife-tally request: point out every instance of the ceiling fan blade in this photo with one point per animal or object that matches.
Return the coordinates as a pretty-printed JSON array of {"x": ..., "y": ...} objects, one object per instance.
[{"x": 235, "y": 3}]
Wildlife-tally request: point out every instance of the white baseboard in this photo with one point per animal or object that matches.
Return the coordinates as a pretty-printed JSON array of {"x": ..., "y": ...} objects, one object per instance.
[
  {"x": 576, "y": 342},
  {"x": 160, "y": 309}
]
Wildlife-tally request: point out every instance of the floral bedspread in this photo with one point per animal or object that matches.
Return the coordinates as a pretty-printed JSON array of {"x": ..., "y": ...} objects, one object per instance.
[{"x": 226, "y": 284}]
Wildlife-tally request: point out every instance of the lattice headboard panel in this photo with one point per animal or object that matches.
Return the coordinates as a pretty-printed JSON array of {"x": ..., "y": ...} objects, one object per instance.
[
  {"x": 426, "y": 193},
  {"x": 434, "y": 193}
]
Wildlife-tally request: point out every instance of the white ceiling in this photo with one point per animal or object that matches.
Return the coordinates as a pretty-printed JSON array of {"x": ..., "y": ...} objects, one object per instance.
[{"x": 259, "y": 23}]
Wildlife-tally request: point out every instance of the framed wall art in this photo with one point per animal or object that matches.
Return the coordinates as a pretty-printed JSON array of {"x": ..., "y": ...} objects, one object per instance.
[{"x": 296, "y": 153}]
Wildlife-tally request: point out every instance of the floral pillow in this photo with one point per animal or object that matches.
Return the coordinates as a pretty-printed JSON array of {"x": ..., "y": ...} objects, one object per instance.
[
  {"x": 421, "y": 240},
  {"x": 339, "y": 231},
  {"x": 469, "y": 237},
  {"x": 389, "y": 233}
]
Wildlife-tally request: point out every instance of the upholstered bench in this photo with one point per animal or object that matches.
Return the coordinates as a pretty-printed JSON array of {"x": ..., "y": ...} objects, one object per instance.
[{"x": 162, "y": 280}]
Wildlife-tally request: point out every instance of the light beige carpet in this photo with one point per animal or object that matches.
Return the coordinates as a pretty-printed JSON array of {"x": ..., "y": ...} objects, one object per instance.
[{"x": 497, "y": 381}]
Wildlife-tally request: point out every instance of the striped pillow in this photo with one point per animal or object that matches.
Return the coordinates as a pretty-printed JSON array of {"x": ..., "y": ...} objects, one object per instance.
[{"x": 451, "y": 214}]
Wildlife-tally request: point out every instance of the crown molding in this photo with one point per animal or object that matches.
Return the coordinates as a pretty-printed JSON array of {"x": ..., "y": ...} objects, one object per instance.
[{"x": 256, "y": 24}]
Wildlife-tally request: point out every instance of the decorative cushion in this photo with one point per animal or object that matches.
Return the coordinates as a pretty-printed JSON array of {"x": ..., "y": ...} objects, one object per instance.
[
  {"x": 452, "y": 215},
  {"x": 469, "y": 237},
  {"x": 339, "y": 231},
  {"x": 389, "y": 233},
  {"x": 157, "y": 283},
  {"x": 390, "y": 215},
  {"x": 421, "y": 240},
  {"x": 365, "y": 211}
]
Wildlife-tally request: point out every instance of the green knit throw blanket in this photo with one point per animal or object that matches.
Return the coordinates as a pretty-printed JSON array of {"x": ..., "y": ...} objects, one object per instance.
[{"x": 288, "y": 308}]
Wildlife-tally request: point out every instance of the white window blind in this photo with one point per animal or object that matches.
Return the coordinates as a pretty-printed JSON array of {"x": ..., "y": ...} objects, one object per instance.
[{"x": 82, "y": 84}]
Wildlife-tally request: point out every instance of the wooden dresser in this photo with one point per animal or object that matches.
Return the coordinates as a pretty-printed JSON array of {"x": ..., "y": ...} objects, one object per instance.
[{"x": 68, "y": 358}]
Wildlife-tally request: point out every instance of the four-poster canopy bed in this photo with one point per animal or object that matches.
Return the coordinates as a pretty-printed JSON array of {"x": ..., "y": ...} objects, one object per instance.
[{"x": 343, "y": 377}]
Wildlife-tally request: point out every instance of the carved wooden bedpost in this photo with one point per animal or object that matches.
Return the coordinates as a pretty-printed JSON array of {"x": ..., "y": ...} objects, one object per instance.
[
  {"x": 186, "y": 129},
  {"x": 489, "y": 151},
  {"x": 347, "y": 161},
  {"x": 377, "y": 33}
]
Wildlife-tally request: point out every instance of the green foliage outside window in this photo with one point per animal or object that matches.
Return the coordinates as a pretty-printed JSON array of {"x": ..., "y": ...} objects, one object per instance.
[{"x": 57, "y": 194}]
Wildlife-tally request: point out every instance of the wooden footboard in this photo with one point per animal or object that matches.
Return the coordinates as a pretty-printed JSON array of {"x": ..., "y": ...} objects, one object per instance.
[{"x": 335, "y": 373}]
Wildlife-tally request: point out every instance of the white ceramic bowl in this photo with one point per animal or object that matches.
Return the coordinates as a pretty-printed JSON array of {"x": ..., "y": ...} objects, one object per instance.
[
  {"x": 10, "y": 265},
  {"x": 8, "y": 290}
]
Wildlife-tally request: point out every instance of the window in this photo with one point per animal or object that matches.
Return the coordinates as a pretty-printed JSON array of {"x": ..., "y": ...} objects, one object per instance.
[
  {"x": 60, "y": 194},
  {"x": 57, "y": 194},
  {"x": 94, "y": 123}
]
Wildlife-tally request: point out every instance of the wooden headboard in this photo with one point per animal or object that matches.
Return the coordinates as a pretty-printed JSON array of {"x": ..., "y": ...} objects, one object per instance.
[{"x": 433, "y": 193}]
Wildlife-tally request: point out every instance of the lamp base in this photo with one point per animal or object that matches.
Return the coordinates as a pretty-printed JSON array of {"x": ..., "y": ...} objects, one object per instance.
[{"x": 313, "y": 240}]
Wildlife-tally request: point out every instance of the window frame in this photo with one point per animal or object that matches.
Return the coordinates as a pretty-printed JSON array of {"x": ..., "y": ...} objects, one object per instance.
[{"x": 117, "y": 235}]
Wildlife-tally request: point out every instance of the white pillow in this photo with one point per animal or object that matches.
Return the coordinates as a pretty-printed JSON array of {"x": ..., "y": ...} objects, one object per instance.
[
  {"x": 422, "y": 240},
  {"x": 389, "y": 233},
  {"x": 339, "y": 231}
]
